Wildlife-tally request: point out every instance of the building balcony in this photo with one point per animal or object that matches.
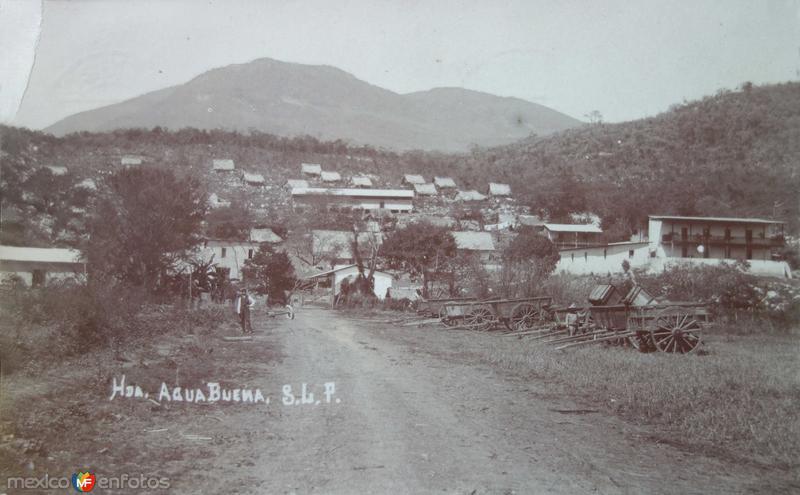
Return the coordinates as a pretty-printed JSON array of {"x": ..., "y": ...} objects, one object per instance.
[{"x": 770, "y": 241}]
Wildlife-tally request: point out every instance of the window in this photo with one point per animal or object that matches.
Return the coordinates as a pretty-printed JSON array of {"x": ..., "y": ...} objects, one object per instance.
[
  {"x": 224, "y": 252},
  {"x": 630, "y": 253},
  {"x": 382, "y": 205},
  {"x": 37, "y": 278},
  {"x": 249, "y": 254}
]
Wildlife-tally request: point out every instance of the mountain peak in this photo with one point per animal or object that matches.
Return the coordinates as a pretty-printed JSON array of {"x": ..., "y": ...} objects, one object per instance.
[{"x": 288, "y": 99}]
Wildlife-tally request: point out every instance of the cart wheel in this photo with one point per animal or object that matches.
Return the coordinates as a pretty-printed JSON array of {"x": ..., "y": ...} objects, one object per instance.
[
  {"x": 480, "y": 318},
  {"x": 446, "y": 320},
  {"x": 524, "y": 316},
  {"x": 289, "y": 312},
  {"x": 675, "y": 329}
]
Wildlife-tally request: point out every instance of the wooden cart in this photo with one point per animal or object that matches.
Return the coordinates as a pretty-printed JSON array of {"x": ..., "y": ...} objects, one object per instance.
[
  {"x": 434, "y": 308},
  {"x": 674, "y": 327},
  {"x": 515, "y": 314},
  {"x": 636, "y": 319}
]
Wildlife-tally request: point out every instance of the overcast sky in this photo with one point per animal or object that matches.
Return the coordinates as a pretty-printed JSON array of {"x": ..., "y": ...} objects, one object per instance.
[{"x": 626, "y": 59}]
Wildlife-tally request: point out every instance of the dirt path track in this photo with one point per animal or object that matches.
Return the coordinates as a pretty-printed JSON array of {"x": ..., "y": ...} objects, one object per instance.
[{"x": 412, "y": 422}]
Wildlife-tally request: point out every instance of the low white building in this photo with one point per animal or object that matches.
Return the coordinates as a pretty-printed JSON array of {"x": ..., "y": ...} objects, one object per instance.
[
  {"x": 222, "y": 165},
  {"x": 499, "y": 190},
  {"x": 601, "y": 260},
  {"x": 129, "y": 160},
  {"x": 361, "y": 181},
  {"x": 330, "y": 176},
  {"x": 425, "y": 189},
  {"x": 296, "y": 183},
  {"x": 334, "y": 278},
  {"x": 394, "y": 200},
  {"x": 444, "y": 182},
  {"x": 39, "y": 266},
  {"x": 412, "y": 179},
  {"x": 311, "y": 169},
  {"x": 253, "y": 179}
]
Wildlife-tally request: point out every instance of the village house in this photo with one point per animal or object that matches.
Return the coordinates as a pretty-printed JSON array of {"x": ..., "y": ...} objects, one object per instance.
[
  {"x": 229, "y": 254},
  {"x": 471, "y": 195},
  {"x": 567, "y": 236},
  {"x": 332, "y": 281},
  {"x": 57, "y": 170},
  {"x": 214, "y": 201},
  {"x": 253, "y": 179},
  {"x": 222, "y": 165},
  {"x": 480, "y": 243},
  {"x": 425, "y": 189},
  {"x": 330, "y": 176},
  {"x": 88, "y": 184},
  {"x": 296, "y": 183},
  {"x": 128, "y": 160},
  {"x": 361, "y": 181},
  {"x": 390, "y": 200},
  {"x": 311, "y": 169},
  {"x": 39, "y": 266},
  {"x": 499, "y": 190},
  {"x": 267, "y": 235},
  {"x": 714, "y": 239},
  {"x": 411, "y": 179},
  {"x": 444, "y": 183}
]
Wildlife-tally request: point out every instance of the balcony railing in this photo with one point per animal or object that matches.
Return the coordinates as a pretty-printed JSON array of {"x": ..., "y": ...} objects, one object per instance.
[{"x": 776, "y": 240}]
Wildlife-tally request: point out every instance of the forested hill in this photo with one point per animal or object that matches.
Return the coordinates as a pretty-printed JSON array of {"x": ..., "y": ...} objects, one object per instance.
[{"x": 733, "y": 154}]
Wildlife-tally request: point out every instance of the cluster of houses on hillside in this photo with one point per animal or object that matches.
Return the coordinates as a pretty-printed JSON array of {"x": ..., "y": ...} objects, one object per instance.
[{"x": 669, "y": 240}]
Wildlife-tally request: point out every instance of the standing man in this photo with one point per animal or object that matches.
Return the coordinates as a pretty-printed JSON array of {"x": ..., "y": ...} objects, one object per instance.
[{"x": 243, "y": 304}]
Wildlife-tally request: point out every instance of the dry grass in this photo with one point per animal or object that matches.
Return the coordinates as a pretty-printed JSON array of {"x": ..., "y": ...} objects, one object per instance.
[{"x": 739, "y": 399}]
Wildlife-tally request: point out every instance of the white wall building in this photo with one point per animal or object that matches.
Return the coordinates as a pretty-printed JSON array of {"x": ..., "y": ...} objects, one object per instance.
[
  {"x": 394, "y": 200},
  {"x": 39, "y": 266}
]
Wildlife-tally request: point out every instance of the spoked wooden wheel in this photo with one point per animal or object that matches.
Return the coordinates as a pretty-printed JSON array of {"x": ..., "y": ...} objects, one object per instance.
[
  {"x": 445, "y": 319},
  {"x": 480, "y": 318},
  {"x": 676, "y": 330},
  {"x": 524, "y": 316}
]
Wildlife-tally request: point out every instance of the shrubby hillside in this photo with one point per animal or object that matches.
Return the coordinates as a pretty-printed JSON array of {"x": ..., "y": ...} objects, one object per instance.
[{"x": 733, "y": 154}]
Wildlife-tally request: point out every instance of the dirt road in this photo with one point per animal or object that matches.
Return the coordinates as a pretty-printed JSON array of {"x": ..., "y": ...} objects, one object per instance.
[
  {"x": 423, "y": 422},
  {"x": 413, "y": 411}
]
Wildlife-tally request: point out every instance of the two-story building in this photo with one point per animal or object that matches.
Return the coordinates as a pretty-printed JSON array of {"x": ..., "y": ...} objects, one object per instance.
[{"x": 713, "y": 239}]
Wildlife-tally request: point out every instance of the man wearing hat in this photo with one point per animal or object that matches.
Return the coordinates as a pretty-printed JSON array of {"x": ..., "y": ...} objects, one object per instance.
[{"x": 243, "y": 304}]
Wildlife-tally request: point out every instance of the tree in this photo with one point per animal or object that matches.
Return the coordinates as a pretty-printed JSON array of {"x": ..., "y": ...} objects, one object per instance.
[
  {"x": 147, "y": 221},
  {"x": 230, "y": 222},
  {"x": 421, "y": 249},
  {"x": 527, "y": 261},
  {"x": 273, "y": 271}
]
